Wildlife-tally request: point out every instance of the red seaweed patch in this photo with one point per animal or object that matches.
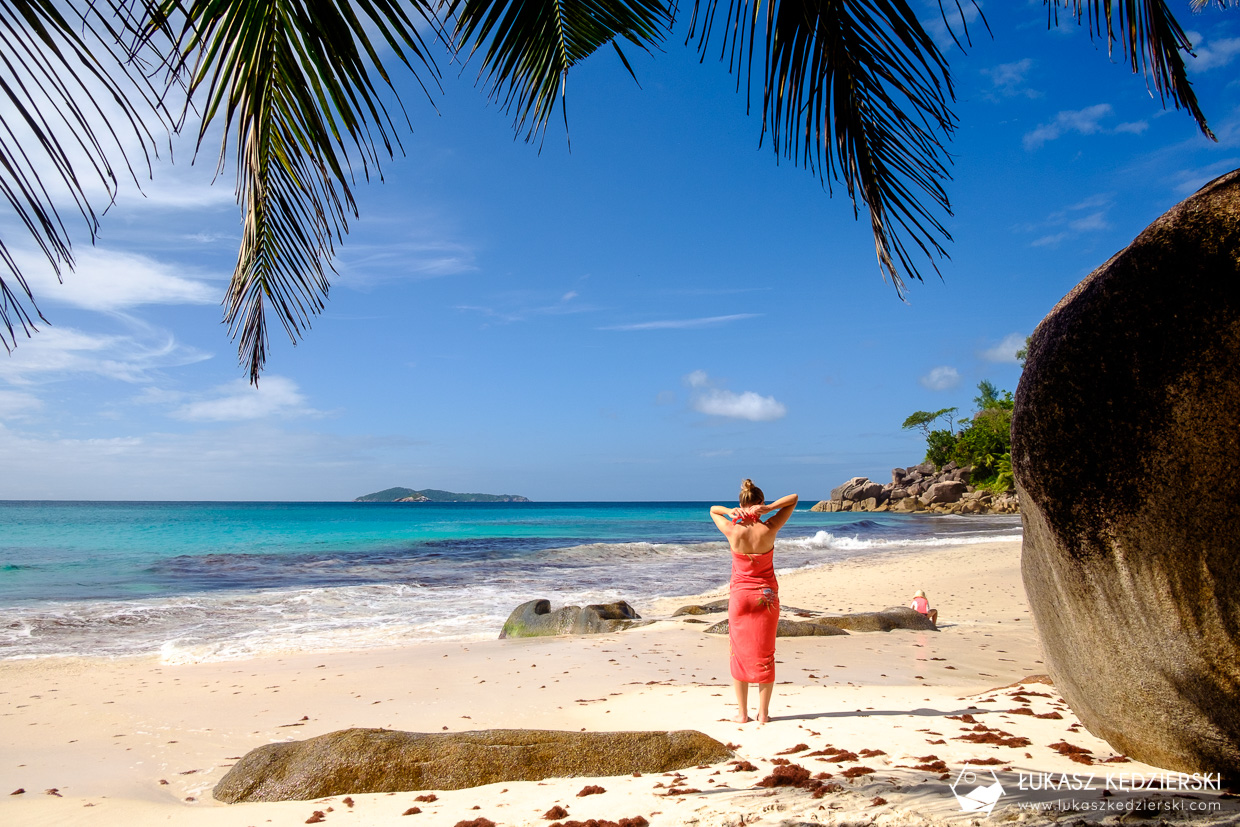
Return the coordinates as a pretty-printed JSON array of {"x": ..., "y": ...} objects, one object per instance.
[
  {"x": 1073, "y": 753},
  {"x": 790, "y": 750},
  {"x": 996, "y": 737}
]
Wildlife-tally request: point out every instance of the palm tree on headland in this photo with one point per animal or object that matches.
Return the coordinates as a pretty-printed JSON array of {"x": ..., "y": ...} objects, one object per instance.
[{"x": 856, "y": 91}]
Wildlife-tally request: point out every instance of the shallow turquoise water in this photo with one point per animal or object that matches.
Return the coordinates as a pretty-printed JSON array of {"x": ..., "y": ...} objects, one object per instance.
[{"x": 226, "y": 579}]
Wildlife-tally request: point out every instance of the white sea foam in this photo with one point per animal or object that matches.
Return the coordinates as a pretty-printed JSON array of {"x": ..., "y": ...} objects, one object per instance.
[{"x": 827, "y": 540}]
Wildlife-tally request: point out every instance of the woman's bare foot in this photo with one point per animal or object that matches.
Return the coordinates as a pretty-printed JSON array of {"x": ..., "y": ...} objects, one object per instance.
[
  {"x": 763, "y": 718},
  {"x": 742, "y": 719}
]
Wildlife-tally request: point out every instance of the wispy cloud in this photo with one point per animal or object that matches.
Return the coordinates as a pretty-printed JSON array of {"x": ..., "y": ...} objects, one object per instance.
[
  {"x": 109, "y": 281},
  {"x": 683, "y": 324},
  {"x": 1004, "y": 351},
  {"x": 1008, "y": 80},
  {"x": 1087, "y": 121},
  {"x": 61, "y": 352},
  {"x": 941, "y": 378},
  {"x": 364, "y": 265},
  {"x": 1188, "y": 181},
  {"x": 238, "y": 401},
  {"x": 711, "y": 400},
  {"x": 1132, "y": 127},
  {"x": 519, "y": 307},
  {"x": 1086, "y": 216},
  {"x": 1213, "y": 54},
  {"x": 18, "y": 404}
]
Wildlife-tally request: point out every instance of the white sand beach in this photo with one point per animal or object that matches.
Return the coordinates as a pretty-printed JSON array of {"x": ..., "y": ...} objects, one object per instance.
[{"x": 135, "y": 742}]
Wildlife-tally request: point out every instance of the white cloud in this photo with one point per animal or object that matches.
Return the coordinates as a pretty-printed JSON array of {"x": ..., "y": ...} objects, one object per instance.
[
  {"x": 18, "y": 405},
  {"x": 238, "y": 401},
  {"x": 746, "y": 405},
  {"x": 1053, "y": 240},
  {"x": 714, "y": 401},
  {"x": 1085, "y": 121},
  {"x": 1088, "y": 223},
  {"x": 569, "y": 296},
  {"x": 1004, "y": 352},
  {"x": 1132, "y": 127},
  {"x": 941, "y": 378},
  {"x": 1008, "y": 79},
  {"x": 1215, "y": 55},
  {"x": 58, "y": 352},
  {"x": 109, "y": 281},
  {"x": 683, "y": 324}
]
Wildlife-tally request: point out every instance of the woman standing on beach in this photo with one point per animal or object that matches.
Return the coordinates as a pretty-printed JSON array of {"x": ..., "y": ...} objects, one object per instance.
[{"x": 753, "y": 602}]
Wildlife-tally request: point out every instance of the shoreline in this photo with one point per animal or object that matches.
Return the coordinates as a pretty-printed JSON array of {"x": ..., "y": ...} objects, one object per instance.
[
  {"x": 105, "y": 734},
  {"x": 232, "y": 625}
]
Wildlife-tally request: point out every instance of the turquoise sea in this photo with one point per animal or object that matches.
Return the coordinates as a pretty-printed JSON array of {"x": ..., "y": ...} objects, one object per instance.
[{"x": 213, "y": 581}]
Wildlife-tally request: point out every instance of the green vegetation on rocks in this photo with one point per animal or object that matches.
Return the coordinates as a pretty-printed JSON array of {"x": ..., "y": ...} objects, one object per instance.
[{"x": 983, "y": 442}]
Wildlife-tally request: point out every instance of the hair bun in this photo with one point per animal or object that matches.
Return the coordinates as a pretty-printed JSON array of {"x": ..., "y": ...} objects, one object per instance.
[{"x": 751, "y": 494}]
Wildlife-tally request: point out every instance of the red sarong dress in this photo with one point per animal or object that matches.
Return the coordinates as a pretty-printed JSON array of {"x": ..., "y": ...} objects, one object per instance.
[{"x": 753, "y": 615}]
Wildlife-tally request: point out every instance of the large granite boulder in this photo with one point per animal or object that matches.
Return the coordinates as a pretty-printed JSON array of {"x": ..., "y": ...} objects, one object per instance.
[
  {"x": 837, "y": 493},
  {"x": 897, "y": 617},
  {"x": 353, "y": 761},
  {"x": 535, "y": 619},
  {"x": 1126, "y": 436}
]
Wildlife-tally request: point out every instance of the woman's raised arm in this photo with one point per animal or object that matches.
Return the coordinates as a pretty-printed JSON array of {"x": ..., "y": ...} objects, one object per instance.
[{"x": 783, "y": 508}]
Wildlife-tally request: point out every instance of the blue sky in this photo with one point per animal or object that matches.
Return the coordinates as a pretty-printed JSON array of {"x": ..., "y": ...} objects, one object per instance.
[{"x": 655, "y": 314}]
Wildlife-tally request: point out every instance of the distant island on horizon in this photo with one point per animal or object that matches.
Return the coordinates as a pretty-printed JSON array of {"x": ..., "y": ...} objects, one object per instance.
[{"x": 434, "y": 495}]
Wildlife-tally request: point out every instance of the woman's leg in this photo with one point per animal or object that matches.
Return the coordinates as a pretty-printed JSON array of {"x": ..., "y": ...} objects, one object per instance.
[
  {"x": 764, "y": 701},
  {"x": 742, "y": 700}
]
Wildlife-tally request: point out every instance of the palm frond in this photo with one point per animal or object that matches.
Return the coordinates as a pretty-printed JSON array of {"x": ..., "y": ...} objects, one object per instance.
[
  {"x": 59, "y": 142},
  {"x": 1150, "y": 38},
  {"x": 530, "y": 46},
  {"x": 857, "y": 92},
  {"x": 291, "y": 80}
]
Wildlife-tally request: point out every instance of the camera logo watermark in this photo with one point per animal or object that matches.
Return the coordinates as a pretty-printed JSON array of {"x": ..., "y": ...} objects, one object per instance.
[{"x": 973, "y": 793}]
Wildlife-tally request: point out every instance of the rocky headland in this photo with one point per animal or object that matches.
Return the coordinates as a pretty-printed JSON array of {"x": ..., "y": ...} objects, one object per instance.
[{"x": 922, "y": 487}]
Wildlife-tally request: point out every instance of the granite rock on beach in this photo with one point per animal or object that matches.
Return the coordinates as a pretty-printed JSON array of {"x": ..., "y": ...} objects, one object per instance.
[
  {"x": 1126, "y": 431},
  {"x": 897, "y": 617},
  {"x": 357, "y": 761},
  {"x": 535, "y": 619},
  {"x": 787, "y": 628},
  {"x": 919, "y": 488}
]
